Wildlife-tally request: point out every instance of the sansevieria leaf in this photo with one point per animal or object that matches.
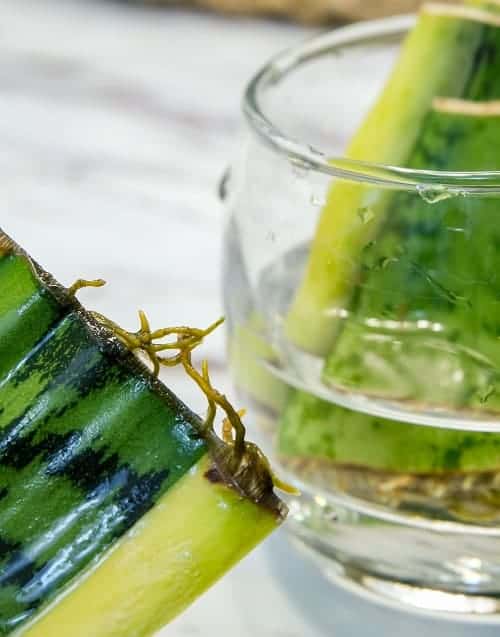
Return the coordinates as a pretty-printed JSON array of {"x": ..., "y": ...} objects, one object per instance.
[
  {"x": 118, "y": 505},
  {"x": 415, "y": 274}
]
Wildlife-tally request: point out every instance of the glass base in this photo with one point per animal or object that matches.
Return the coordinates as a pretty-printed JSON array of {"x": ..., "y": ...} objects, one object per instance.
[
  {"x": 434, "y": 568},
  {"x": 440, "y": 604}
]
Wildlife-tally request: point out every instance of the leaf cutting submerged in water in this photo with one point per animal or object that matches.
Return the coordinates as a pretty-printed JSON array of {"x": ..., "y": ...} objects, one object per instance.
[{"x": 415, "y": 284}]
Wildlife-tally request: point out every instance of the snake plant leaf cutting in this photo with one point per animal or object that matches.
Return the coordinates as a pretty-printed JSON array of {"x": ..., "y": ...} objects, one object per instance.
[
  {"x": 452, "y": 54},
  {"x": 425, "y": 263},
  {"x": 416, "y": 274},
  {"x": 118, "y": 505}
]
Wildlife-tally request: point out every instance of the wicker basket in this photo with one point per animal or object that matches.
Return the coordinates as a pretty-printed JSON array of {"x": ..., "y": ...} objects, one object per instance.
[{"x": 307, "y": 10}]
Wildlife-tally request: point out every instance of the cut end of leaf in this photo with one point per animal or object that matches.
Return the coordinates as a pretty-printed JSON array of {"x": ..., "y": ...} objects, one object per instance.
[{"x": 466, "y": 107}]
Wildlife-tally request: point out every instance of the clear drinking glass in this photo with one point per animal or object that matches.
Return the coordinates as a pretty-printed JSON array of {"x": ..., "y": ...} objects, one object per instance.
[{"x": 376, "y": 394}]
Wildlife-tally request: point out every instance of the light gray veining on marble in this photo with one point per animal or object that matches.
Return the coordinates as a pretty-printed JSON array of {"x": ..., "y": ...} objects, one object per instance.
[{"x": 115, "y": 125}]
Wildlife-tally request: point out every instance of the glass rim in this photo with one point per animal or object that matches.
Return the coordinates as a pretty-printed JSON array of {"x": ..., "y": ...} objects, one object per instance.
[{"x": 308, "y": 157}]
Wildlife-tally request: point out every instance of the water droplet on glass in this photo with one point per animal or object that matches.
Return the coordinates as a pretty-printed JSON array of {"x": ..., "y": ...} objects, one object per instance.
[
  {"x": 274, "y": 74},
  {"x": 486, "y": 394},
  {"x": 385, "y": 262},
  {"x": 433, "y": 194},
  {"x": 300, "y": 168},
  {"x": 224, "y": 183},
  {"x": 366, "y": 214},
  {"x": 370, "y": 245},
  {"x": 317, "y": 201}
]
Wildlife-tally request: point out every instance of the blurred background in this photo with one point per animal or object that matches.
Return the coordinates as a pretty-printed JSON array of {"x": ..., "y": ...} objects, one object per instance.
[
  {"x": 117, "y": 121},
  {"x": 307, "y": 11}
]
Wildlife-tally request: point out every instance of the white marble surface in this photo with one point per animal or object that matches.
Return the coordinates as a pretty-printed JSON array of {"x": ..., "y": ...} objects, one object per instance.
[{"x": 115, "y": 124}]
